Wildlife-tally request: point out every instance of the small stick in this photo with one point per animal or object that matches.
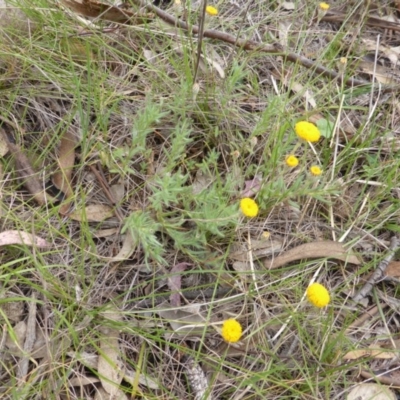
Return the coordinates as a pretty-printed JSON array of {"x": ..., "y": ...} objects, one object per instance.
[{"x": 379, "y": 272}]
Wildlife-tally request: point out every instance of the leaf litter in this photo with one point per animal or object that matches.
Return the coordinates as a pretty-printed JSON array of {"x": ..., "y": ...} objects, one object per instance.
[{"x": 185, "y": 329}]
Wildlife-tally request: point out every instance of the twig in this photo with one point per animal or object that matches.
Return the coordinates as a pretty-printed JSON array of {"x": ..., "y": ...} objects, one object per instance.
[
  {"x": 379, "y": 272},
  {"x": 251, "y": 45}
]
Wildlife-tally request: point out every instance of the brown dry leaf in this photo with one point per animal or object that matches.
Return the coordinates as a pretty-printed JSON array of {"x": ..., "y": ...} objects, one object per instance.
[
  {"x": 369, "y": 391},
  {"x": 90, "y": 360},
  {"x": 83, "y": 380},
  {"x": 184, "y": 321},
  {"x": 118, "y": 192},
  {"x": 174, "y": 283},
  {"x": 4, "y": 149},
  {"x": 28, "y": 175},
  {"x": 380, "y": 73},
  {"x": 210, "y": 60},
  {"x": 202, "y": 181},
  {"x": 95, "y": 9},
  {"x": 393, "y": 269},
  {"x": 322, "y": 249},
  {"x": 373, "y": 351},
  {"x": 110, "y": 366},
  {"x": 259, "y": 247},
  {"x": 128, "y": 247},
  {"x": 102, "y": 233},
  {"x": 66, "y": 161},
  {"x": 16, "y": 338},
  {"x": 92, "y": 213},
  {"x": 18, "y": 237},
  {"x": 288, "y": 5},
  {"x": 306, "y": 93}
]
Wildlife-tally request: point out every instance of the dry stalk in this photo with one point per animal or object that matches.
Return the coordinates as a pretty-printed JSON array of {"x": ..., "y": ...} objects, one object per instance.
[{"x": 379, "y": 272}]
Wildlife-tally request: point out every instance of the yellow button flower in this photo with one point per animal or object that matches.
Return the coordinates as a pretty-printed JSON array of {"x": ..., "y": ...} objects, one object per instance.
[
  {"x": 231, "y": 331},
  {"x": 324, "y": 6},
  {"x": 210, "y": 10},
  {"x": 249, "y": 207},
  {"x": 315, "y": 170},
  {"x": 318, "y": 295},
  {"x": 307, "y": 131},
  {"x": 292, "y": 161}
]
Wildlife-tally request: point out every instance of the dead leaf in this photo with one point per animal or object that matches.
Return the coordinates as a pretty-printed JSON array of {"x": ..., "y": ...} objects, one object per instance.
[
  {"x": 28, "y": 176},
  {"x": 18, "y": 237},
  {"x": 83, "y": 380},
  {"x": 15, "y": 339},
  {"x": 110, "y": 366},
  {"x": 251, "y": 187},
  {"x": 182, "y": 321},
  {"x": 374, "y": 351},
  {"x": 259, "y": 247},
  {"x": 92, "y": 213},
  {"x": 4, "y": 149},
  {"x": 306, "y": 93},
  {"x": 95, "y": 9},
  {"x": 101, "y": 233},
  {"x": 288, "y": 5},
  {"x": 393, "y": 269},
  {"x": 369, "y": 391},
  {"x": 118, "y": 192},
  {"x": 322, "y": 249},
  {"x": 90, "y": 360},
  {"x": 380, "y": 73},
  {"x": 202, "y": 181},
  {"x": 128, "y": 247},
  {"x": 66, "y": 160},
  {"x": 174, "y": 283}
]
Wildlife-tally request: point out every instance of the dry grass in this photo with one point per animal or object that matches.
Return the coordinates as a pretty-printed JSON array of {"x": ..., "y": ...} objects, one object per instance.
[{"x": 177, "y": 163}]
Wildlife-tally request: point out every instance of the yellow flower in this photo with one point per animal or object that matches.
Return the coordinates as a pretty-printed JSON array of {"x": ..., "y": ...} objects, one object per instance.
[
  {"x": 292, "y": 161},
  {"x": 315, "y": 170},
  {"x": 210, "y": 10},
  {"x": 307, "y": 131},
  {"x": 231, "y": 331},
  {"x": 318, "y": 295},
  {"x": 249, "y": 207},
  {"x": 324, "y": 6}
]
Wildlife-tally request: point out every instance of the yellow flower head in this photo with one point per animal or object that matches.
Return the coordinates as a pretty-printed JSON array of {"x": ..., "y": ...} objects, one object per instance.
[
  {"x": 324, "y": 6},
  {"x": 292, "y": 161},
  {"x": 231, "y": 331},
  {"x": 307, "y": 131},
  {"x": 249, "y": 207},
  {"x": 210, "y": 10},
  {"x": 315, "y": 170},
  {"x": 318, "y": 295}
]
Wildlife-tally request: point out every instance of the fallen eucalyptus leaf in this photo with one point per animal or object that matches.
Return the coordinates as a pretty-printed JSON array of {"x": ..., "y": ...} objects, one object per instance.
[
  {"x": 18, "y": 237},
  {"x": 322, "y": 249},
  {"x": 92, "y": 213}
]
